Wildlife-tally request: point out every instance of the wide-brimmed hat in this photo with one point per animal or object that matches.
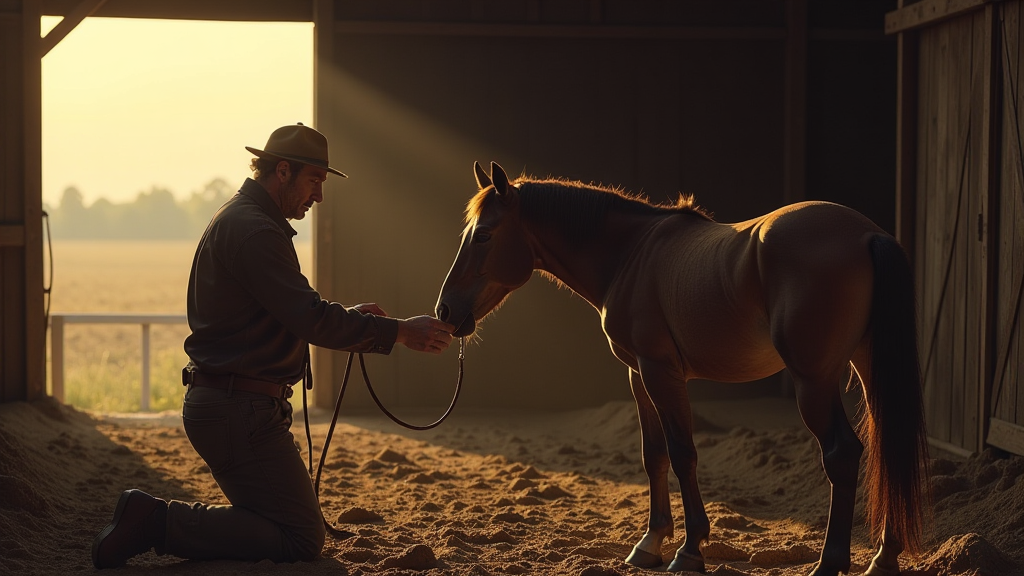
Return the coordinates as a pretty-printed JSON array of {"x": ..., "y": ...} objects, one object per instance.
[{"x": 299, "y": 143}]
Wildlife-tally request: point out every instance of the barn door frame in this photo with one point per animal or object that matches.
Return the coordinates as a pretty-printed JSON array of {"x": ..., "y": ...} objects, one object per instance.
[{"x": 966, "y": 427}]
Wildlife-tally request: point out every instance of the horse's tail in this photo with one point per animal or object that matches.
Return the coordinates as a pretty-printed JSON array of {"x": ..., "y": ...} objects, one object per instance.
[{"x": 893, "y": 422}]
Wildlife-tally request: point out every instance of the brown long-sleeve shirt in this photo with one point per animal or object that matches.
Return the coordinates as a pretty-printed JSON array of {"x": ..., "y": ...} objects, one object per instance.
[{"x": 250, "y": 308}]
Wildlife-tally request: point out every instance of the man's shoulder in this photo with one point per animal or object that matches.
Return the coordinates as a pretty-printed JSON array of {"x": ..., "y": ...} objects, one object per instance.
[{"x": 241, "y": 217}]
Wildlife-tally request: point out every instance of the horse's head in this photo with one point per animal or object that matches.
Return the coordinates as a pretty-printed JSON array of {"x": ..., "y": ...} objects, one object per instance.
[{"x": 494, "y": 259}]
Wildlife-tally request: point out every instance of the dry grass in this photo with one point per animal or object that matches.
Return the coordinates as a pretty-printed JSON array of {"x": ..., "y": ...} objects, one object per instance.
[{"x": 103, "y": 363}]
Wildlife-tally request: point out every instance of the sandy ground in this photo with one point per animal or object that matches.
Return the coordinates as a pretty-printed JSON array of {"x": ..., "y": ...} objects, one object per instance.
[{"x": 491, "y": 493}]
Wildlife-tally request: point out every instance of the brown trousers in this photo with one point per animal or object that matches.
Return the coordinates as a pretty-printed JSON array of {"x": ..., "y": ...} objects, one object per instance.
[{"x": 274, "y": 513}]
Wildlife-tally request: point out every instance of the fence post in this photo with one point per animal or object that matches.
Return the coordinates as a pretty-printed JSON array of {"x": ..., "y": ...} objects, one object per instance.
[
  {"x": 145, "y": 368},
  {"x": 57, "y": 360}
]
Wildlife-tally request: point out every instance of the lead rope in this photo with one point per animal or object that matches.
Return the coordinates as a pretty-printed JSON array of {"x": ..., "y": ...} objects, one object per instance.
[{"x": 308, "y": 385}]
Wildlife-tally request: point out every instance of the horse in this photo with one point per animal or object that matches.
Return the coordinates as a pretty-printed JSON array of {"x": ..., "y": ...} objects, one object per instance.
[{"x": 814, "y": 287}]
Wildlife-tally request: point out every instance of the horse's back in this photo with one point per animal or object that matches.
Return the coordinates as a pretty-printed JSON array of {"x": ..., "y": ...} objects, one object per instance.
[{"x": 732, "y": 293}]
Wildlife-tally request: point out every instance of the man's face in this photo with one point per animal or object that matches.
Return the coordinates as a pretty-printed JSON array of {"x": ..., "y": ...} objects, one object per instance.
[{"x": 303, "y": 189}]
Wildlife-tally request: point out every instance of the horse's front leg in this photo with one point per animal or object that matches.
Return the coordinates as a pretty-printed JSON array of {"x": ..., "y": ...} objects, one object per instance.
[
  {"x": 667, "y": 390},
  {"x": 647, "y": 553}
]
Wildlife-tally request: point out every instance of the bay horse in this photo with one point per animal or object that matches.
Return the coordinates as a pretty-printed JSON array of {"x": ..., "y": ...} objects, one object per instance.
[{"x": 813, "y": 287}]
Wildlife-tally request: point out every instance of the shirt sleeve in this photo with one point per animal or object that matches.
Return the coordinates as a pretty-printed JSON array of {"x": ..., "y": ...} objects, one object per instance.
[{"x": 267, "y": 266}]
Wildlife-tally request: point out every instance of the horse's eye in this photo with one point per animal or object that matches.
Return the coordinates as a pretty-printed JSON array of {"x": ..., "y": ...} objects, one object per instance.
[{"x": 481, "y": 237}]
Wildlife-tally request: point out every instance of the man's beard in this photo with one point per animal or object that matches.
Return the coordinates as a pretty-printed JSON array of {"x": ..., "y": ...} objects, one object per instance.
[{"x": 291, "y": 200}]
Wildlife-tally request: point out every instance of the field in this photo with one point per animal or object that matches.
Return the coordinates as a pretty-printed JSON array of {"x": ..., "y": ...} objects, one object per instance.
[{"x": 103, "y": 363}]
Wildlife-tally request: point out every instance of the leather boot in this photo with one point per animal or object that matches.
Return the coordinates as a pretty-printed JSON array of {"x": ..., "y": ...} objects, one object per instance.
[{"x": 138, "y": 526}]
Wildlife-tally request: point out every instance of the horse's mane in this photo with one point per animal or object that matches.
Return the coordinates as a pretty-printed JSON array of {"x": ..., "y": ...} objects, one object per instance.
[{"x": 577, "y": 208}]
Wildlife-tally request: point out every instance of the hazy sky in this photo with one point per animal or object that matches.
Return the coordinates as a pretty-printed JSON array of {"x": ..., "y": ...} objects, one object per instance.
[{"x": 129, "y": 104}]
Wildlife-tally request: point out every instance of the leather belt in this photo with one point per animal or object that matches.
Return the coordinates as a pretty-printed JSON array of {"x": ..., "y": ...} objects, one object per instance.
[{"x": 235, "y": 382}]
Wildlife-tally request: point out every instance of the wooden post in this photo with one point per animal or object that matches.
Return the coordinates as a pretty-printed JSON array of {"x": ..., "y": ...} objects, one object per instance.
[
  {"x": 57, "y": 357},
  {"x": 324, "y": 361},
  {"x": 144, "y": 405},
  {"x": 32, "y": 254}
]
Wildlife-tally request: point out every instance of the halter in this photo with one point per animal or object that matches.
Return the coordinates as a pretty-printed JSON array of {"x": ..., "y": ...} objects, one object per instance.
[{"x": 308, "y": 385}]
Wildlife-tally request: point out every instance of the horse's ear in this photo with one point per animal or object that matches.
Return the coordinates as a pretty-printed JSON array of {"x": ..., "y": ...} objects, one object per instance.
[
  {"x": 482, "y": 179},
  {"x": 500, "y": 179}
]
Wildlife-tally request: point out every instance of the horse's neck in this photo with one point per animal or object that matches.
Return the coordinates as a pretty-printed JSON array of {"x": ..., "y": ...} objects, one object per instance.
[{"x": 590, "y": 269}]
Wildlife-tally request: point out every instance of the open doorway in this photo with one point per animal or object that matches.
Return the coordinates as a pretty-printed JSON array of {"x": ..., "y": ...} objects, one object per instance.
[{"x": 144, "y": 127}]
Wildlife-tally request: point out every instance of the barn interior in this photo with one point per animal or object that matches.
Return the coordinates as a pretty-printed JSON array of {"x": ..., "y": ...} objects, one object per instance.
[{"x": 906, "y": 111}]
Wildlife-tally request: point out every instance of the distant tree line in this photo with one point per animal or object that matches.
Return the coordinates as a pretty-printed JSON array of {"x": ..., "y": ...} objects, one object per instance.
[{"x": 153, "y": 215}]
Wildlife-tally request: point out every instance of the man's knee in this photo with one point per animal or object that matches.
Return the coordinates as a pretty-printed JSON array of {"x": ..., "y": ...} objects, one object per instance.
[{"x": 307, "y": 543}]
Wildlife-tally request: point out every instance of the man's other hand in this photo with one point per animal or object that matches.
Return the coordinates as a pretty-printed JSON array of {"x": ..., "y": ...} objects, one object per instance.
[{"x": 425, "y": 334}]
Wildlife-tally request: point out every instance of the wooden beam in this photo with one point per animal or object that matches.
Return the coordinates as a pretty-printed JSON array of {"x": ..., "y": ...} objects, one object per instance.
[
  {"x": 928, "y": 12},
  {"x": 83, "y": 10},
  {"x": 226, "y": 10},
  {"x": 12, "y": 235},
  {"x": 351, "y": 27}
]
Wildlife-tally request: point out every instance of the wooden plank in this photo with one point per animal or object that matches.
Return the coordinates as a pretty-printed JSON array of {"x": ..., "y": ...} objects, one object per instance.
[
  {"x": 1011, "y": 216},
  {"x": 928, "y": 13},
  {"x": 947, "y": 165},
  {"x": 1010, "y": 229},
  {"x": 1003, "y": 405},
  {"x": 907, "y": 57},
  {"x": 966, "y": 78},
  {"x": 927, "y": 128},
  {"x": 1006, "y": 435},
  {"x": 981, "y": 287}
]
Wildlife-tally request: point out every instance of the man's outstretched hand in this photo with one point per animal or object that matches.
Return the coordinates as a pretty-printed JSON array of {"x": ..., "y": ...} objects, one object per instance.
[{"x": 425, "y": 334}]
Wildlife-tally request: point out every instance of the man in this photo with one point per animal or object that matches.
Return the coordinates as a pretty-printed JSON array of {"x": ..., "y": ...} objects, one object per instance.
[{"x": 252, "y": 313}]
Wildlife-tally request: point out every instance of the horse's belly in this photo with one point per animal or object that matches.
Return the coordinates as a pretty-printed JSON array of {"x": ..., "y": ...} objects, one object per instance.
[{"x": 729, "y": 356}]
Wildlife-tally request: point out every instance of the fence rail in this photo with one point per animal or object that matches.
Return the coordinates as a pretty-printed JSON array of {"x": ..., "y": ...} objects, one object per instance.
[{"x": 59, "y": 320}]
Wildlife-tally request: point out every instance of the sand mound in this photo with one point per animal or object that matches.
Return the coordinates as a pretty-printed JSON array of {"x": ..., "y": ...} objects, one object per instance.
[{"x": 494, "y": 493}]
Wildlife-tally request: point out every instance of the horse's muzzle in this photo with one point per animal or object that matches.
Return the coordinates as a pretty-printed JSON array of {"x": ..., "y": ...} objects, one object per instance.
[{"x": 465, "y": 328}]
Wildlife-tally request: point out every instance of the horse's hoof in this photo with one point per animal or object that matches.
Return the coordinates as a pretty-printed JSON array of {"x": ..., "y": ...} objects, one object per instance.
[
  {"x": 643, "y": 559},
  {"x": 876, "y": 570},
  {"x": 686, "y": 562}
]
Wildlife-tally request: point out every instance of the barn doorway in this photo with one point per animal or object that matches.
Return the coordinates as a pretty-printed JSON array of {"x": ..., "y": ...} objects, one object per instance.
[{"x": 144, "y": 123}]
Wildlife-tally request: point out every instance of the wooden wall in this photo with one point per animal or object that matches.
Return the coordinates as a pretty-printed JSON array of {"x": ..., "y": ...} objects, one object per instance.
[
  {"x": 22, "y": 336},
  {"x": 748, "y": 104},
  {"x": 651, "y": 96},
  {"x": 959, "y": 192}
]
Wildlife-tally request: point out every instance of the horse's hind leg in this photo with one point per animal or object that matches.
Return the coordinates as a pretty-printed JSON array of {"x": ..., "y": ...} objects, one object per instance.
[
  {"x": 668, "y": 393},
  {"x": 647, "y": 553},
  {"x": 822, "y": 411}
]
